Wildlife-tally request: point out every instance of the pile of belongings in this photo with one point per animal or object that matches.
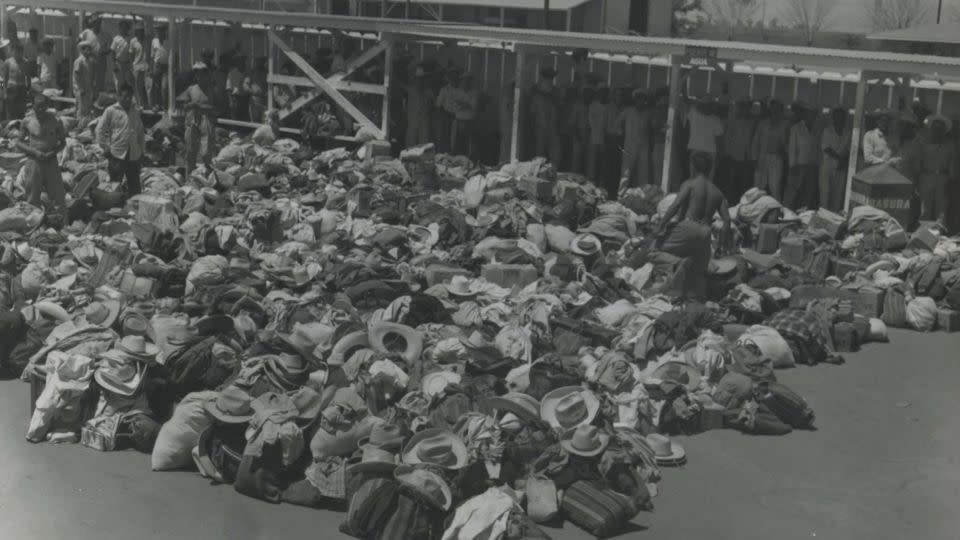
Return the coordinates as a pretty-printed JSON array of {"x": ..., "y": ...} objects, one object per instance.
[{"x": 440, "y": 349}]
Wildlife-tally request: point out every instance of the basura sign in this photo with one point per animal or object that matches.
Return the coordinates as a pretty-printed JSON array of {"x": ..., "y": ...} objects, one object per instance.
[{"x": 701, "y": 56}]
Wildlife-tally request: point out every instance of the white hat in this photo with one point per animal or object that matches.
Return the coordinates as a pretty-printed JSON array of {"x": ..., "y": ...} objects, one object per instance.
[{"x": 199, "y": 66}]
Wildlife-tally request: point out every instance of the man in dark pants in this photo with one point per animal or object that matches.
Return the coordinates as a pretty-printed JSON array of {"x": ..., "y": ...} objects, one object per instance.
[
  {"x": 120, "y": 133},
  {"x": 42, "y": 137},
  {"x": 13, "y": 76}
]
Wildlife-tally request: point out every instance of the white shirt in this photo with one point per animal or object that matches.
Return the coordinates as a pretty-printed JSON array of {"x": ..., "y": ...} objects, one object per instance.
[
  {"x": 704, "y": 130},
  {"x": 875, "y": 148},
  {"x": 122, "y": 131},
  {"x": 48, "y": 70},
  {"x": 158, "y": 51}
]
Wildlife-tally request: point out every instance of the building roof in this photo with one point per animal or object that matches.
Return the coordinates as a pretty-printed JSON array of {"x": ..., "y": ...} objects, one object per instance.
[
  {"x": 555, "y": 5},
  {"x": 929, "y": 33}
]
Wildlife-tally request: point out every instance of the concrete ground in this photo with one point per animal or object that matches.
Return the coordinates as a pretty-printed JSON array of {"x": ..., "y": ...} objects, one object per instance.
[{"x": 884, "y": 464}]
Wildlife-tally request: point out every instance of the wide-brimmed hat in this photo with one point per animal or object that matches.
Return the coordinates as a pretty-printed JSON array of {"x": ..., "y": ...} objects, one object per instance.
[
  {"x": 376, "y": 460},
  {"x": 680, "y": 373},
  {"x": 388, "y": 436},
  {"x": 87, "y": 254},
  {"x": 309, "y": 402},
  {"x": 213, "y": 325},
  {"x": 939, "y": 118},
  {"x": 414, "y": 340},
  {"x": 585, "y": 244},
  {"x": 437, "y": 447},
  {"x": 460, "y": 286},
  {"x": 135, "y": 324},
  {"x": 102, "y": 312},
  {"x": 426, "y": 485},
  {"x": 434, "y": 384},
  {"x": 138, "y": 348},
  {"x": 347, "y": 344},
  {"x": 586, "y": 441},
  {"x": 306, "y": 337},
  {"x": 723, "y": 266},
  {"x": 667, "y": 452},
  {"x": 414, "y": 402},
  {"x": 119, "y": 374},
  {"x": 85, "y": 44},
  {"x": 232, "y": 405},
  {"x": 569, "y": 407},
  {"x": 524, "y": 406}
]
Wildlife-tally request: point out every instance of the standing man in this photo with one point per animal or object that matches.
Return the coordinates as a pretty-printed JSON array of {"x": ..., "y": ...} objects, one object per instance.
[
  {"x": 121, "y": 135},
  {"x": 835, "y": 145},
  {"x": 31, "y": 51},
  {"x": 47, "y": 64},
  {"x": 544, "y": 110},
  {"x": 876, "y": 149},
  {"x": 42, "y": 136},
  {"x": 255, "y": 85},
  {"x": 738, "y": 172},
  {"x": 634, "y": 123},
  {"x": 139, "y": 54},
  {"x": 13, "y": 75},
  {"x": 236, "y": 93},
  {"x": 706, "y": 132},
  {"x": 161, "y": 63},
  {"x": 84, "y": 89},
  {"x": 597, "y": 151},
  {"x": 698, "y": 201},
  {"x": 932, "y": 164},
  {"x": 420, "y": 100},
  {"x": 123, "y": 57},
  {"x": 198, "y": 124},
  {"x": 803, "y": 156},
  {"x": 770, "y": 151},
  {"x": 464, "y": 101},
  {"x": 445, "y": 109},
  {"x": 579, "y": 128},
  {"x": 505, "y": 111},
  {"x": 93, "y": 33}
]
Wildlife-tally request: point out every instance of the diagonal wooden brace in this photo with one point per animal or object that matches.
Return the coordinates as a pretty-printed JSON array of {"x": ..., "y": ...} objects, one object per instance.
[{"x": 324, "y": 85}]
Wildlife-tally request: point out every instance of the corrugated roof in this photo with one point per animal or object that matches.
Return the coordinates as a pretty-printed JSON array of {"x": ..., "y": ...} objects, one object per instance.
[
  {"x": 929, "y": 33},
  {"x": 555, "y": 5}
]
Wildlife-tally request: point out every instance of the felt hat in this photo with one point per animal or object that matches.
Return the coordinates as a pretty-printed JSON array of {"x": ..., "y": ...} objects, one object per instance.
[
  {"x": 667, "y": 452},
  {"x": 67, "y": 267},
  {"x": 213, "y": 325},
  {"x": 939, "y": 118},
  {"x": 379, "y": 331},
  {"x": 199, "y": 66},
  {"x": 135, "y": 324},
  {"x": 585, "y": 244},
  {"x": 136, "y": 346},
  {"x": 102, "y": 312},
  {"x": 427, "y": 486},
  {"x": 119, "y": 374},
  {"x": 87, "y": 254},
  {"x": 723, "y": 266},
  {"x": 414, "y": 402},
  {"x": 524, "y": 406},
  {"x": 308, "y": 401},
  {"x": 460, "y": 286},
  {"x": 85, "y": 44},
  {"x": 180, "y": 336},
  {"x": 375, "y": 459},
  {"x": 586, "y": 441},
  {"x": 386, "y": 435},
  {"x": 569, "y": 407},
  {"x": 347, "y": 344},
  {"x": 307, "y": 338},
  {"x": 232, "y": 405},
  {"x": 680, "y": 373},
  {"x": 433, "y": 384},
  {"x": 437, "y": 447}
]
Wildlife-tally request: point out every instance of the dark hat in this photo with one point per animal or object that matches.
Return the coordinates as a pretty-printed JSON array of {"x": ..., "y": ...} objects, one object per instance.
[{"x": 213, "y": 325}]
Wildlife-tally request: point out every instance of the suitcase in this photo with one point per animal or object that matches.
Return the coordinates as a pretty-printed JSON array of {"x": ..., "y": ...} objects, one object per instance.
[
  {"x": 845, "y": 337},
  {"x": 948, "y": 320},
  {"x": 786, "y": 404}
]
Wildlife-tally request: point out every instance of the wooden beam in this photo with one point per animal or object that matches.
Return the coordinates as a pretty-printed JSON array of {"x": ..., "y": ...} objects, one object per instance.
[
  {"x": 172, "y": 36},
  {"x": 515, "y": 124},
  {"x": 359, "y": 61},
  {"x": 387, "y": 74},
  {"x": 672, "y": 122},
  {"x": 324, "y": 85},
  {"x": 343, "y": 86},
  {"x": 856, "y": 130},
  {"x": 271, "y": 69}
]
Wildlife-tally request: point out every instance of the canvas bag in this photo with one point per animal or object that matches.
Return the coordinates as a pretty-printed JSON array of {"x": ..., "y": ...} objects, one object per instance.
[
  {"x": 541, "y": 499},
  {"x": 599, "y": 511},
  {"x": 895, "y": 308}
]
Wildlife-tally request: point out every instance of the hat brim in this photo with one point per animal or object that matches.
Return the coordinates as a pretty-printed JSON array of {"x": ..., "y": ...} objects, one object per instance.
[
  {"x": 403, "y": 475},
  {"x": 125, "y": 389},
  {"x": 414, "y": 340},
  {"x": 501, "y": 403},
  {"x": 372, "y": 467},
  {"x": 226, "y": 418},
  {"x": 151, "y": 351},
  {"x": 693, "y": 374},
  {"x": 548, "y": 407},
  {"x": 459, "y": 449},
  {"x": 678, "y": 456},
  {"x": 567, "y": 445}
]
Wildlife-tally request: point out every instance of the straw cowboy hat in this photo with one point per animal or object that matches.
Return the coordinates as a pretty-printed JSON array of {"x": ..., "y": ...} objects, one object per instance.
[
  {"x": 87, "y": 254},
  {"x": 569, "y": 407},
  {"x": 437, "y": 447},
  {"x": 679, "y": 373},
  {"x": 305, "y": 339},
  {"x": 585, "y": 245},
  {"x": 426, "y": 485},
  {"x": 587, "y": 441},
  {"x": 102, "y": 312},
  {"x": 414, "y": 402},
  {"x": 379, "y": 450},
  {"x": 414, "y": 341},
  {"x": 231, "y": 406},
  {"x": 138, "y": 348},
  {"x": 347, "y": 344},
  {"x": 434, "y": 384},
  {"x": 460, "y": 286},
  {"x": 119, "y": 373},
  {"x": 667, "y": 452},
  {"x": 523, "y": 406}
]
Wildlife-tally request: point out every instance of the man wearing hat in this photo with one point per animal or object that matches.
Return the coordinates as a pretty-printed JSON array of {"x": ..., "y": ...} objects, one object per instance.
[
  {"x": 84, "y": 77},
  {"x": 13, "y": 74},
  {"x": 876, "y": 149},
  {"x": 770, "y": 149},
  {"x": 47, "y": 64},
  {"x": 121, "y": 135},
  {"x": 420, "y": 100},
  {"x": 198, "y": 124},
  {"x": 597, "y": 120},
  {"x": 123, "y": 56},
  {"x": 463, "y": 101},
  {"x": 445, "y": 108},
  {"x": 161, "y": 63},
  {"x": 139, "y": 55},
  {"x": 101, "y": 40},
  {"x": 634, "y": 123},
  {"x": 835, "y": 145},
  {"x": 544, "y": 109},
  {"x": 41, "y": 139},
  {"x": 803, "y": 157},
  {"x": 932, "y": 164}
]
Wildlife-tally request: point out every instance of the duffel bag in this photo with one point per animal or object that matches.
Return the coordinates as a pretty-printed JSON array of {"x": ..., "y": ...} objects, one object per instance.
[{"x": 600, "y": 512}]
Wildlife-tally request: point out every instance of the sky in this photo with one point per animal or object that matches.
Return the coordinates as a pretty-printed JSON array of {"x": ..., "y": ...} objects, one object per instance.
[{"x": 850, "y": 16}]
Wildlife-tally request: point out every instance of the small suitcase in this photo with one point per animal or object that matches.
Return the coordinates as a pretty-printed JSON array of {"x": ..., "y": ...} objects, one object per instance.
[{"x": 786, "y": 404}]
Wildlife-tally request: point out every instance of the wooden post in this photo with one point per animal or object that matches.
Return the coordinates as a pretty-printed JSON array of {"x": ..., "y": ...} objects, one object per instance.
[
  {"x": 3, "y": 20},
  {"x": 855, "y": 132},
  {"x": 515, "y": 124},
  {"x": 387, "y": 72},
  {"x": 940, "y": 101},
  {"x": 271, "y": 69},
  {"x": 171, "y": 64},
  {"x": 671, "y": 121}
]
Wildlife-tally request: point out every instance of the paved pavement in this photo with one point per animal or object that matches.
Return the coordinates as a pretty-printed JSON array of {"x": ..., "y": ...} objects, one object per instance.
[{"x": 884, "y": 464}]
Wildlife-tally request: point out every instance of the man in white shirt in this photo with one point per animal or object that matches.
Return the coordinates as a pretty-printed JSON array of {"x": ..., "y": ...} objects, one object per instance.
[
  {"x": 93, "y": 33},
  {"x": 875, "y": 148},
  {"x": 123, "y": 57},
  {"x": 161, "y": 59},
  {"x": 138, "y": 54},
  {"x": 47, "y": 65},
  {"x": 803, "y": 157},
  {"x": 121, "y": 135},
  {"x": 706, "y": 132}
]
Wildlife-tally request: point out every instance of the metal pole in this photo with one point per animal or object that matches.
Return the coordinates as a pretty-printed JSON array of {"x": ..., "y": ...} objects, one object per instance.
[
  {"x": 3, "y": 19},
  {"x": 270, "y": 71},
  {"x": 939, "y": 10},
  {"x": 387, "y": 72},
  {"x": 671, "y": 121},
  {"x": 171, "y": 64},
  {"x": 546, "y": 14},
  {"x": 515, "y": 127},
  {"x": 855, "y": 137}
]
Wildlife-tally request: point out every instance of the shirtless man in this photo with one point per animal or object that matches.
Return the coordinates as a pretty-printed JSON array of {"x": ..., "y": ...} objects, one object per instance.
[
  {"x": 42, "y": 138},
  {"x": 698, "y": 200}
]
